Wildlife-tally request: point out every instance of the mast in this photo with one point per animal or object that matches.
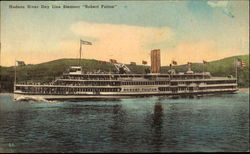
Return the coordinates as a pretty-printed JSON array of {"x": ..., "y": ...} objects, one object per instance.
[
  {"x": 85, "y": 43},
  {"x": 203, "y": 70},
  {"x": 80, "y": 53},
  {"x": 236, "y": 70},
  {"x": 15, "y": 77}
]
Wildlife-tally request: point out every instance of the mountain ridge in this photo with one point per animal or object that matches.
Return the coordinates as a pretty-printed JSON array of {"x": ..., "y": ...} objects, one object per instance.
[{"x": 48, "y": 71}]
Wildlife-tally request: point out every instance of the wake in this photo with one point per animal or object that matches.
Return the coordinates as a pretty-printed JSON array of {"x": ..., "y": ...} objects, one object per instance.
[{"x": 34, "y": 100}]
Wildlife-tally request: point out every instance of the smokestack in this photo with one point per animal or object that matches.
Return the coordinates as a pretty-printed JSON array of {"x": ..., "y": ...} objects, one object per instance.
[{"x": 155, "y": 61}]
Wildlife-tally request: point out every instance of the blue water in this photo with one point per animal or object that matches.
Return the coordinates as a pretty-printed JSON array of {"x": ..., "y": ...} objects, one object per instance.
[{"x": 208, "y": 124}]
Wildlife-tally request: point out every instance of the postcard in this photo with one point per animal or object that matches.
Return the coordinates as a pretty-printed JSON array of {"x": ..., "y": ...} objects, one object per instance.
[{"x": 124, "y": 76}]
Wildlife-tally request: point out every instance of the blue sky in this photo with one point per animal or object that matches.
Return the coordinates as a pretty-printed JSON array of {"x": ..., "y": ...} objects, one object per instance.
[{"x": 183, "y": 30}]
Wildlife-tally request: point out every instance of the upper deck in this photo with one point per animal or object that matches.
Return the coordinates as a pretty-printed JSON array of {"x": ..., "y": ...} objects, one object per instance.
[{"x": 108, "y": 76}]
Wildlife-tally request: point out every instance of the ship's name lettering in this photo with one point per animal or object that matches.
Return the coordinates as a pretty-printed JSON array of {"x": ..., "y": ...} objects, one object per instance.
[
  {"x": 99, "y": 6},
  {"x": 62, "y": 6},
  {"x": 91, "y": 6},
  {"x": 16, "y": 6}
]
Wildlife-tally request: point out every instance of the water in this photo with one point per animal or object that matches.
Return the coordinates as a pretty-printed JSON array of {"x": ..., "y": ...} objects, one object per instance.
[{"x": 218, "y": 123}]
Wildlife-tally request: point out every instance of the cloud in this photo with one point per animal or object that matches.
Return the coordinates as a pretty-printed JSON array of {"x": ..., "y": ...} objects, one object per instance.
[
  {"x": 130, "y": 43},
  {"x": 196, "y": 51},
  {"x": 224, "y": 5},
  {"x": 121, "y": 42}
]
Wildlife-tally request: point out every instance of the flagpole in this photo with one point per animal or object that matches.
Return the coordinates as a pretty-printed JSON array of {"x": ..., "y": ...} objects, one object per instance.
[
  {"x": 80, "y": 52},
  {"x": 236, "y": 70},
  {"x": 170, "y": 71},
  {"x": 15, "y": 77},
  {"x": 203, "y": 70}
]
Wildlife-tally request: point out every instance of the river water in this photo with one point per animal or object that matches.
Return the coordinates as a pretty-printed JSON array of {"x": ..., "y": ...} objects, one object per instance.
[{"x": 208, "y": 124}]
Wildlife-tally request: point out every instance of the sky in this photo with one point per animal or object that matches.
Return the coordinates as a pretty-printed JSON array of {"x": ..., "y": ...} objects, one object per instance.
[{"x": 184, "y": 31}]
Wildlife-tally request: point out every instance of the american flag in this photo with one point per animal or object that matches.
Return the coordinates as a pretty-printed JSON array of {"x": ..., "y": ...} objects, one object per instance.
[
  {"x": 205, "y": 62},
  {"x": 102, "y": 62},
  {"x": 20, "y": 63},
  {"x": 85, "y": 42},
  {"x": 144, "y": 62},
  {"x": 240, "y": 63},
  {"x": 113, "y": 61},
  {"x": 132, "y": 63},
  {"x": 174, "y": 62}
]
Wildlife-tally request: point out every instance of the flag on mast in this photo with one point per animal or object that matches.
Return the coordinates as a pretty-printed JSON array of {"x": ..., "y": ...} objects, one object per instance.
[
  {"x": 132, "y": 63},
  {"x": 85, "y": 42},
  {"x": 20, "y": 63},
  {"x": 102, "y": 62},
  {"x": 240, "y": 63},
  {"x": 174, "y": 62},
  {"x": 113, "y": 61},
  {"x": 144, "y": 62},
  {"x": 205, "y": 62}
]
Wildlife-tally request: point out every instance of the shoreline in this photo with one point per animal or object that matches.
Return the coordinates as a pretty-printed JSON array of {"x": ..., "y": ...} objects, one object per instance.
[
  {"x": 246, "y": 90},
  {"x": 5, "y": 93}
]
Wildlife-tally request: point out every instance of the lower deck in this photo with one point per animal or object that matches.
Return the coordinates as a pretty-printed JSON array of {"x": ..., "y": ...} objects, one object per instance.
[{"x": 119, "y": 95}]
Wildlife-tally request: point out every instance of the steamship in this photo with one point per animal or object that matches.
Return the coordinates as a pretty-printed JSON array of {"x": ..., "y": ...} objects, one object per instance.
[{"x": 77, "y": 85}]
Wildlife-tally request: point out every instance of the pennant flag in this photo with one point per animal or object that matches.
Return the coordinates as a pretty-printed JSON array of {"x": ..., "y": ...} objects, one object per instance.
[
  {"x": 240, "y": 63},
  {"x": 102, "y": 62},
  {"x": 20, "y": 63},
  {"x": 113, "y": 61},
  {"x": 132, "y": 63},
  {"x": 174, "y": 62},
  {"x": 205, "y": 62},
  {"x": 85, "y": 42},
  {"x": 144, "y": 62}
]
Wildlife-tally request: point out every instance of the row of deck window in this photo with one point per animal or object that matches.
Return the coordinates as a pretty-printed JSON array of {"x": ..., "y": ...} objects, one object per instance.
[
  {"x": 139, "y": 89},
  {"x": 88, "y": 78},
  {"x": 72, "y": 90},
  {"x": 174, "y": 77},
  {"x": 221, "y": 82},
  {"x": 88, "y": 83},
  {"x": 194, "y": 88},
  {"x": 66, "y": 90},
  {"x": 94, "y": 83},
  {"x": 146, "y": 83}
]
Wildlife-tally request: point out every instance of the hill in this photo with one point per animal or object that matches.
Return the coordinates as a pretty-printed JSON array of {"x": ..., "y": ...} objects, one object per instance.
[{"x": 46, "y": 72}]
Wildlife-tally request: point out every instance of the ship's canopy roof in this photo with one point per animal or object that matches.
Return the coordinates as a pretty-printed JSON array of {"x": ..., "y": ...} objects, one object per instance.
[
  {"x": 75, "y": 67},
  {"x": 75, "y": 70}
]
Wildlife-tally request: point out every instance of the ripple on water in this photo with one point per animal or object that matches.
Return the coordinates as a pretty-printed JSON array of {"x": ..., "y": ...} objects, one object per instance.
[{"x": 218, "y": 123}]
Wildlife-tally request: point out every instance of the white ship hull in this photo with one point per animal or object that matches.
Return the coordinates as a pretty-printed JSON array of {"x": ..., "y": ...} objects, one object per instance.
[{"x": 119, "y": 95}]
